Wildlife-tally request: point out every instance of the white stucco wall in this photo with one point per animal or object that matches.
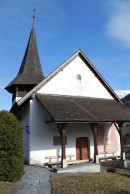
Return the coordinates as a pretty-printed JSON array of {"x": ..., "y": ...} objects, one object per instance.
[
  {"x": 24, "y": 116},
  {"x": 75, "y": 131},
  {"x": 66, "y": 82},
  {"x": 41, "y": 136}
]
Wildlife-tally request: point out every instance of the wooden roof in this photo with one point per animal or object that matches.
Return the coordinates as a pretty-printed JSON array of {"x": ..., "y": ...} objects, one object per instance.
[
  {"x": 83, "y": 109},
  {"x": 30, "y": 72},
  {"x": 60, "y": 68}
]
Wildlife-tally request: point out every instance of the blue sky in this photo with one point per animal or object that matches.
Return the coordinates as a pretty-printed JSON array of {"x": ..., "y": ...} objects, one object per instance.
[{"x": 100, "y": 28}]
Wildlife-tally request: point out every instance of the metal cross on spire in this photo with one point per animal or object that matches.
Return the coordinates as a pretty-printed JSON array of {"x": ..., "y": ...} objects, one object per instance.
[{"x": 34, "y": 11}]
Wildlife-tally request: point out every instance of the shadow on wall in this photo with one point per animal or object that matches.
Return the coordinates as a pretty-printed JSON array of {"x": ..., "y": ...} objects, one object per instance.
[{"x": 108, "y": 138}]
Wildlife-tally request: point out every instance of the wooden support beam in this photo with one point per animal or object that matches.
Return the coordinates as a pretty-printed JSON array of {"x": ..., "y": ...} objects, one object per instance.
[
  {"x": 59, "y": 128},
  {"x": 121, "y": 140},
  {"x": 94, "y": 127},
  {"x": 17, "y": 88},
  {"x": 117, "y": 128},
  {"x": 63, "y": 140}
]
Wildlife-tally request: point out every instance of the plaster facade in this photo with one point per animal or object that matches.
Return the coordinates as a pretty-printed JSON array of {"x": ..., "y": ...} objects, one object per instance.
[
  {"x": 41, "y": 134},
  {"x": 76, "y": 79},
  {"x": 24, "y": 117}
]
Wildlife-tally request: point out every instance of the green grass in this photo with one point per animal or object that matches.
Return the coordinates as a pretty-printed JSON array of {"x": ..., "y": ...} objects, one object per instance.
[
  {"x": 95, "y": 183},
  {"x": 5, "y": 187}
]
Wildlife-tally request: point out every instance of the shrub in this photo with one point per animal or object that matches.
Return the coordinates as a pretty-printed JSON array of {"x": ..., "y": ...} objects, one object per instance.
[{"x": 11, "y": 147}]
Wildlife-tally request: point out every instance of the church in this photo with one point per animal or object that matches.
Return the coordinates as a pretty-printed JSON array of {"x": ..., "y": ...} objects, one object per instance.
[{"x": 70, "y": 116}]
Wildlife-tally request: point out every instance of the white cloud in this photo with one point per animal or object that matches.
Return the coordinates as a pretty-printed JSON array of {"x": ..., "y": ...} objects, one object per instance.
[{"x": 118, "y": 25}]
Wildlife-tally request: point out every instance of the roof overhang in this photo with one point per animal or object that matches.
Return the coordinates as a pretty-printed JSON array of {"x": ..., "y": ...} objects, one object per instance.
[
  {"x": 70, "y": 109},
  {"x": 60, "y": 68}
]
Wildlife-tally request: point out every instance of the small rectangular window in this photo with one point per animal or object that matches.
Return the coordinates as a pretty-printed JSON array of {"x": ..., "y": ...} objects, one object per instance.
[{"x": 57, "y": 140}]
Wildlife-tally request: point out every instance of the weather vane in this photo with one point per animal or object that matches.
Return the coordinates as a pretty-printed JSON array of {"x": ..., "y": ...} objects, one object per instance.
[{"x": 34, "y": 11}]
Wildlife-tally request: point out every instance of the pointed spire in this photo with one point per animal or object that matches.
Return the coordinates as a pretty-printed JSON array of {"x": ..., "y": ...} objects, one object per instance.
[
  {"x": 34, "y": 11},
  {"x": 30, "y": 72}
]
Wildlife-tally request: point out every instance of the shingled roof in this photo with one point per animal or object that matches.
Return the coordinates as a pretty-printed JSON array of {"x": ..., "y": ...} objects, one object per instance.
[
  {"x": 30, "y": 72},
  {"x": 83, "y": 109},
  {"x": 60, "y": 68}
]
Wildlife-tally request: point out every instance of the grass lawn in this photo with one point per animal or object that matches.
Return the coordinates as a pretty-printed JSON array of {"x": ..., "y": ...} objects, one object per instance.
[
  {"x": 5, "y": 187},
  {"x": 98, "y": 183}
]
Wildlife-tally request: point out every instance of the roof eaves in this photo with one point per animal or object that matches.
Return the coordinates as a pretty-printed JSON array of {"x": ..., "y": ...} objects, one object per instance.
[
  {"x": 87, "y": 121},
  {"x": 60, "y": 68},
  {"x": 52, "y": 118},
  {"x": 48, "y": 78}
]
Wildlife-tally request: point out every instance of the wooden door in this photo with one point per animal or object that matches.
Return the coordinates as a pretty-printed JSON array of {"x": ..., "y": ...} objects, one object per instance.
[{"x": 82, "y": 151}]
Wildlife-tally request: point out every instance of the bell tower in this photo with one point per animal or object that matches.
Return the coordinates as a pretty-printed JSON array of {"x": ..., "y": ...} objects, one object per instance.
[{"x": 30, "y": 73}]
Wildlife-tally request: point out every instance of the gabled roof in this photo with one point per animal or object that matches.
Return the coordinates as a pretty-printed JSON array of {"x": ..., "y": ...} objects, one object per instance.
[
  {"x": 83, "y": 109},
  {"x": 54, "y": 73},
  {"x": 30, "y": 72}
]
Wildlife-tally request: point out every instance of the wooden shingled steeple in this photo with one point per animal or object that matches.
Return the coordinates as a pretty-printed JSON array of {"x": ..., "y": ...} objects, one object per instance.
[{"x": 30, "y": 72}]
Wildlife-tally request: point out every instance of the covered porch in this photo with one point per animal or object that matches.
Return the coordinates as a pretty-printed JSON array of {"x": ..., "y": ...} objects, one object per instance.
[
  {"x": 66, "y": 110},
  {"x": 82, "y": 151}
]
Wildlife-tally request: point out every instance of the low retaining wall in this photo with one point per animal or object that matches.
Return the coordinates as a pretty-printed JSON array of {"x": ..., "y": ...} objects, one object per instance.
[{"x": 117, "y": 166}]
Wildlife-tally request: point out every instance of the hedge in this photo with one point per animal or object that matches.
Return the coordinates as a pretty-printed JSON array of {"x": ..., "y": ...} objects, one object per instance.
[{"x": 11, "y": 147}]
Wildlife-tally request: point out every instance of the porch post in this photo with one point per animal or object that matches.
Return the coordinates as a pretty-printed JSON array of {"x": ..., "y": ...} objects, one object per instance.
[
  {"x": 63, "y": 149},
  {"x": 94, "y": 129},
  {"x": 121, "y": 141}
]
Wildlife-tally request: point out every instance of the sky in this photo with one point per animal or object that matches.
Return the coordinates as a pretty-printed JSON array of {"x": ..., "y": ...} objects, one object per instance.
[{"x": 100, "y": 28}]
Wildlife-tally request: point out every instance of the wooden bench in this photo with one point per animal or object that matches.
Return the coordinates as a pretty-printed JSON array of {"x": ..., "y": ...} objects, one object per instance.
[
  {"x": 106, "y": 157},
  {"x": 53, "y": 163},
  {"x": 51, "y": 157},
  {"x": 77, "y": 161}
]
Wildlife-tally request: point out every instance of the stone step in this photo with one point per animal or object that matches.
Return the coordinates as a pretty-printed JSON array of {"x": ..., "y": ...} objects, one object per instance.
[{"x": 87, "y": 168}]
